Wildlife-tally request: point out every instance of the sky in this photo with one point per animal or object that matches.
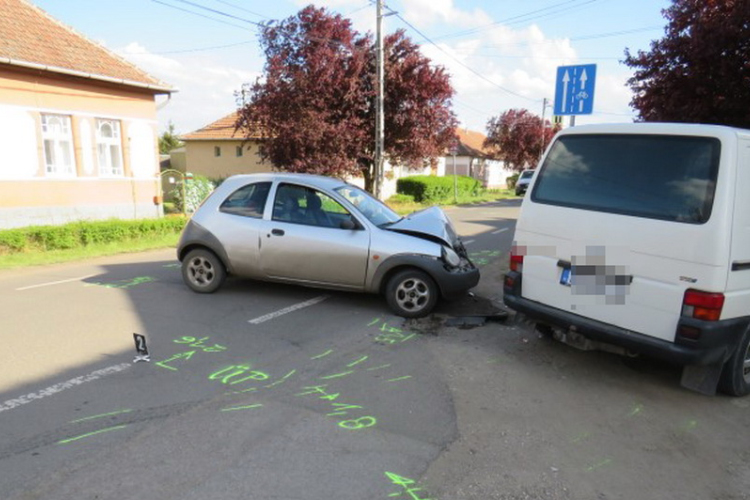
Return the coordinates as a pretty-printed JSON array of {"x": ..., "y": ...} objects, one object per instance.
[{"x": 501, "y": 54}]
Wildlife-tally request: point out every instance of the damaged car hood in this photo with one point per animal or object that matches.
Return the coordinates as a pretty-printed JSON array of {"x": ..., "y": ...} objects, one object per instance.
[{"x": 430, "y": 223}]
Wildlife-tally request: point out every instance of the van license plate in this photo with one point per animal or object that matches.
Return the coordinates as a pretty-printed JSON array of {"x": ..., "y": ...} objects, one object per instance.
[{"x": 565, "y": 277}]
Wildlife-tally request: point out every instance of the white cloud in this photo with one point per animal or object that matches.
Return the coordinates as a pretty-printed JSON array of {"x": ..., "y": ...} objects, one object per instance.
[{"x": 205, "y": 92}]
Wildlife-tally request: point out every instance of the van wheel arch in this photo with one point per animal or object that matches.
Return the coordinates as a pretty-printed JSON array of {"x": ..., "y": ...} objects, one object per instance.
[{"x": 735, "y": 376}]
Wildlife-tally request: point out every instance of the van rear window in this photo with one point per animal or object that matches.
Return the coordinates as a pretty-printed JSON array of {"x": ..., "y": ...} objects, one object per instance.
[{"x": 654, "y": 176}]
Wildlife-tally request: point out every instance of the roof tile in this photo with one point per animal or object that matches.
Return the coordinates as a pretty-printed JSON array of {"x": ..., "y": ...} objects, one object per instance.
[{"x": 30, "y": 35}]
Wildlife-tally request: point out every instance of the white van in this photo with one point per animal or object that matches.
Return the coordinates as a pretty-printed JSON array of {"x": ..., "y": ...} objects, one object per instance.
[{"x": 638, "y": 236}]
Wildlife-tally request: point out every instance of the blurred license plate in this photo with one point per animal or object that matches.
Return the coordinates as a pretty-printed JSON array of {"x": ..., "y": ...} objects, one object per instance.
[{"x": 565, "y": 277}]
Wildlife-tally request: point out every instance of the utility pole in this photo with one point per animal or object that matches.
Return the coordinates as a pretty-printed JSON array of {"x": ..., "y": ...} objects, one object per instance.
[{"x": 379, "y": 127}]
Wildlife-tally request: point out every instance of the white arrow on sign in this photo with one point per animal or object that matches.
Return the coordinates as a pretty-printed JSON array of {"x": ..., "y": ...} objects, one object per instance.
[
  {"x": 565, "y": 80},
  {"x": 584, "y": 78}
]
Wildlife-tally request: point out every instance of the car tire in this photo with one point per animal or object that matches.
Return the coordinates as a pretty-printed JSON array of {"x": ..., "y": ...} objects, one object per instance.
[
  {"x": 735, "y": 377},
  {"x": 203, "y": 271},
  {"x": 411, "y": 293}
]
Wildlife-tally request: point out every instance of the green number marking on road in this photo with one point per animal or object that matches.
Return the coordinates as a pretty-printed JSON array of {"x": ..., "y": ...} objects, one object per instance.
[
  {"x": 226, "y": 374},
  {"x": 358, "y": 423}
]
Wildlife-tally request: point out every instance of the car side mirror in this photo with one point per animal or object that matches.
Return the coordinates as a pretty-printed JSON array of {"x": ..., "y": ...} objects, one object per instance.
[{"x": 348, "y": 224}]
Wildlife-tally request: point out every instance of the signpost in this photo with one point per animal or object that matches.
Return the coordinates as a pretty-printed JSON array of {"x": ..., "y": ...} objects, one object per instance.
[{"x": 574, "y": 90}]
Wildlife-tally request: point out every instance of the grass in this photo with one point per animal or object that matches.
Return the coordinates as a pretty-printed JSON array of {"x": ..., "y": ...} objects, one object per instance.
[
  {"x": 405, "y": 208},
  {"x": 38, "y": 258}
]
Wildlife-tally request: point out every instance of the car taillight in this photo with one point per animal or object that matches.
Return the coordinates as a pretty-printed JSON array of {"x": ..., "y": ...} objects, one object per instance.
[
  {"x": 702, "y": 305},
  {"x": 516, "y": 262}
]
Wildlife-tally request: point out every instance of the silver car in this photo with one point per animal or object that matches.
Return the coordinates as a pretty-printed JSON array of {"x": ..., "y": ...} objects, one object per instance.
[{"x": 322, "y": 232}]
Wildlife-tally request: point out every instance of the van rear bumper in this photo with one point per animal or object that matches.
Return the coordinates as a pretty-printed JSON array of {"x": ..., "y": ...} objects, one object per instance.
[{"x": 716, "y": 343}]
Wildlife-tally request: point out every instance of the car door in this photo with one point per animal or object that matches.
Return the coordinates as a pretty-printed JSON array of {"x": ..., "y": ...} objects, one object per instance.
[
  {"x": 303, "y": 240},
  {"x": 238, "y": 227}
]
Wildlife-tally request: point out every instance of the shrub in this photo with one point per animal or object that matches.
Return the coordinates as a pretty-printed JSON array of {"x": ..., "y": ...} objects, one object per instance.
[
  {"x": 196, "y": 190},
  {"x": 401, "y": 198},
  {"x": 81, "y": 234},
  {"x": 432, "y": 189},
  {"x": 511, "y": 181}
]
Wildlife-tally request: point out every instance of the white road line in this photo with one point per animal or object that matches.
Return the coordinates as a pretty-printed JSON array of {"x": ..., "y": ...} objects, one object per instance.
[
  {"x": 469, "y": 242},
  {"x": 54, "y": 283},
  {"x": 287, "y": 310},
  {"x": 500, "y": 230},
  {"x": 28, "y": 398}
]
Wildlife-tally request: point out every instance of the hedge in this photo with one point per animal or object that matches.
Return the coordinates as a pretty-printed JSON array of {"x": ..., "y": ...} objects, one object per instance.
[
  {"x": 81, "y": 234},
  {"x": 431, "y": 189}
]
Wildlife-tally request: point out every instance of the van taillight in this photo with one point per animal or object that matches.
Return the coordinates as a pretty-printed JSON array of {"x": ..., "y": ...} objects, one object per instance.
[
  {"x": 702, "y": 305},
  {"x": 516, "y": 262}
]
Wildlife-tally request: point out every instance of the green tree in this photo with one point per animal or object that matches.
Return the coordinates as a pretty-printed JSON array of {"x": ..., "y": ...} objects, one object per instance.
[{"x": 169, "y": 140}]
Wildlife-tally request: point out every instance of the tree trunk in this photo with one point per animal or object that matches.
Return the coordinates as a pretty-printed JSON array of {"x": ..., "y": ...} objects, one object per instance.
[{"x": 368, "y": 172}]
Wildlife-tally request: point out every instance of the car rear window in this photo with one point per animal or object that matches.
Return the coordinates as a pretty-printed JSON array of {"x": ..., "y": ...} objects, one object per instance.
[{"x": 654, "y": 176}]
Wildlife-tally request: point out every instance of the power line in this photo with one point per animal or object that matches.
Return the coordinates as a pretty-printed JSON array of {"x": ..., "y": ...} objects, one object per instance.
[
  {"x": 202, "y": 49},
  {"x": 472, "y": 70},
  {"x": 209, "y": 9},
  {"x": 523, "y": 18},
  {"x": 244, "y": 28},
  {"x": 241, "y": 8}
]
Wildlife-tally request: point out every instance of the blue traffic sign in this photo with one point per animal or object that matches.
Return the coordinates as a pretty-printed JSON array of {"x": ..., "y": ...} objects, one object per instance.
[{"x": 574, "y": 90}]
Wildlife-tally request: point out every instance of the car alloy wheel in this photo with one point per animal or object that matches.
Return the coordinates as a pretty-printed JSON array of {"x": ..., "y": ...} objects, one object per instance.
[
  {"x": 411, "y": 293},
  {"x": 202, "y": 271}
]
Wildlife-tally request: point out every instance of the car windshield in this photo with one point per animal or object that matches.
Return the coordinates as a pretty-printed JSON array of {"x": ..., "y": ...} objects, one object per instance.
[
  {"x": 376, "y": 212},
  {"x": 527, "y": 174}
]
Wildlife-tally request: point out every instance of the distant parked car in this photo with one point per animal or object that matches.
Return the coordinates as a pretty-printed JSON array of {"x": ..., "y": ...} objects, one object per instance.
[
  {"x": 523, "y": 181},
  {"x": 322, "y": 232}
]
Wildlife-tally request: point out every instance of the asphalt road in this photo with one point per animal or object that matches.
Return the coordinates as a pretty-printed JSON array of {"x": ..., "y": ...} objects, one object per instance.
[{"x": 264, "y": 391}]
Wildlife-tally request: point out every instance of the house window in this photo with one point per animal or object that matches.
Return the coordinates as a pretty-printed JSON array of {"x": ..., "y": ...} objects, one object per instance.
[
  {"x": 217, "y": 151},
  {"x": 58, "y": 145},
  {"x": 109, "y": 147},
  {"x": 239, "y": 151}
]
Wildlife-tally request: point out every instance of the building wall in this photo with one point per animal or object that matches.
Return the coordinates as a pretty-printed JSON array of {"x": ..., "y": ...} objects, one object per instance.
[
  {"x": 201, "y": 158},
  {"x": 30, "y": 195}
]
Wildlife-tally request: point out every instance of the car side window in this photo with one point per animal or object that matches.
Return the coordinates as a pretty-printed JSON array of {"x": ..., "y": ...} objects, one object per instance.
[
  {"x": 247, "y": 201},
  {"x": 308, "y": 206}
]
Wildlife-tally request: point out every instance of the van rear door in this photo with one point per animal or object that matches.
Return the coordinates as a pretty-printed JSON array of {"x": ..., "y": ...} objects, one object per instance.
[{"x": 619, "y": 225}]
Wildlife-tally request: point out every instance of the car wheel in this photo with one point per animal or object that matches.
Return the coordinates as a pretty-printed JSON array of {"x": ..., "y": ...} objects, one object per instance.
[
  {"x": 202, "y": 271},
  {"x": 735, "y": 378},
  {"x": 411, "y": 293}
]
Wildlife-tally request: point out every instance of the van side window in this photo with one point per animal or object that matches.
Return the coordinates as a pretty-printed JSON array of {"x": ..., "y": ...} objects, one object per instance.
[
  {"x": 248, "y": 201},
  {"x": 654, "y": 176}
]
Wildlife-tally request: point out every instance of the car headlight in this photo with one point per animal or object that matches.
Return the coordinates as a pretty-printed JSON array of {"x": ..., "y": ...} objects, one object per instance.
[{"x": 450, "y": 257}]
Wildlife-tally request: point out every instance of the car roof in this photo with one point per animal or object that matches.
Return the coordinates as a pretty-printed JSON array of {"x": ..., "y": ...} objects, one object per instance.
[{"x": 319, "y": 181}]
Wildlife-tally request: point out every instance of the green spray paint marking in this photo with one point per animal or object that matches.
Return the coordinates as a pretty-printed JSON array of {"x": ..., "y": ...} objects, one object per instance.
[
  {"x": 108, "y": 429},
  {"x": 237, "y": 370},
  {"x": 374, "y": 322},
  {"x": 407, "y": 485},
  {"x": 399, "y": 378},
  {"x": 599, "y": 465},
  {"x": 378, "y": 367},
  {"x": 636, "y": 410},
  {"x": 124, "y": 283},
  {"x": 281, "y": 380},
  {"x": 358, "y": 423},
  {"x": 99, "y": 416},
  {"x": 186, "y": 355},
  {"x": 337, "y": 375},
  {"x": 329, "y": 351},
  {"x": 242, "y": 407},
  {"x": 354, "y": 363}
]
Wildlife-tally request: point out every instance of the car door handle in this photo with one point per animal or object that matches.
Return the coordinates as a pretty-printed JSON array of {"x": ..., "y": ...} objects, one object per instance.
[{"x": 277, "y": 232}]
